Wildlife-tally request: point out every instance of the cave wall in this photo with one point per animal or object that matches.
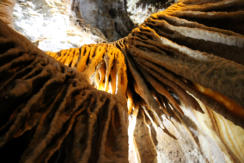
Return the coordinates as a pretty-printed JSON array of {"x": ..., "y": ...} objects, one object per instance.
[
  {"x": 109, "y": 16},
  {"x": 116, "y": 18},
  {"x": 52, "y": 25},
  {"x": 205, "y": 135}
]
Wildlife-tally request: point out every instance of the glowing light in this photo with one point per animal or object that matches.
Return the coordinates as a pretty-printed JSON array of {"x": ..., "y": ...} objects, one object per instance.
[{"x": 134, "y": 155}]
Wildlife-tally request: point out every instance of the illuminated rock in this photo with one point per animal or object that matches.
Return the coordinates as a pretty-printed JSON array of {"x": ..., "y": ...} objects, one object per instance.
[
  {"x": 181, "y": 73},
  {"x": 51, "y": 25}
]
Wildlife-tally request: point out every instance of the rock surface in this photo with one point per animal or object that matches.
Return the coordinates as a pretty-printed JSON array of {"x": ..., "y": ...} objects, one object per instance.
[
  {"x": 51, "y": 25},
  {"x": 139, "y": 10},
  {"x": 116, "y": 18},
  {"x": 110, "y": 16},
  {"x": 158, "y": 131},
  {"x": 56, "y": 25},
  {"x": 163, "y": 46}
]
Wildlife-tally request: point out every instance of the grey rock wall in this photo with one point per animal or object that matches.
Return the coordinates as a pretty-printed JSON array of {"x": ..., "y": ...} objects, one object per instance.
[
  {"x": 51, "y": 25},
  {"x": 109, "y": 16},
  {"x": 116, "y": 18}
]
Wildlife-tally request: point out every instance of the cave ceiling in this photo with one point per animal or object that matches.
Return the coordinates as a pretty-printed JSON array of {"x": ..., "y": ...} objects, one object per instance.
[{"x": 122, "y": 81}]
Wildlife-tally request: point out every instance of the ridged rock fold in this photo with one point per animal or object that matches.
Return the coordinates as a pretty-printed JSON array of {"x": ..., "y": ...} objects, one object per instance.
[{"x": 180, "y": 72}]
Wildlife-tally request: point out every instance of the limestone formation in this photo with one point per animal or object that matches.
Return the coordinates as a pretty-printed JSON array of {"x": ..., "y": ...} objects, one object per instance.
[
  {"x": 53, "y": 111},
  {"x": 51, "y": 25},
  {"x": 181, "y": 73}
]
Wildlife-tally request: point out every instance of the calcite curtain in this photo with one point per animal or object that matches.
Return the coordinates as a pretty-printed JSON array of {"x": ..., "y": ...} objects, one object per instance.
[{"x": 175, "y": 91}]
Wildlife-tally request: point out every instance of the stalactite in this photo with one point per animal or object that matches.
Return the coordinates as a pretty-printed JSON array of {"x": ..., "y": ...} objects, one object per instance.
[{"x": 181, "y": 72}]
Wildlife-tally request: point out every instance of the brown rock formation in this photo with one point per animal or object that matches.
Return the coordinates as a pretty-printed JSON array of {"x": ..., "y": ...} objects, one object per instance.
[
  {"x": 53, "y": 111},
  {"x": 181, "y": 73},
  {"x": 6, "y": 9},
  {"x": 167, "y": 47}
]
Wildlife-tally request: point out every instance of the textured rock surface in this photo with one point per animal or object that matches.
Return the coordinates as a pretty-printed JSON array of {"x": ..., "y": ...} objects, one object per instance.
[
  {"x": 139, "y": 10},
  {"x": 158, "y": 54},
  {"x": 184, "y": 95},
  {"x": 51, "y": 25},
  {"x": 116, "y": 18},
  {"x": 49, "y": 110},
  {"x": 110, "y": 16},
  {"x": 80, "y": 21},
  {"x": 6, "y": 9}
]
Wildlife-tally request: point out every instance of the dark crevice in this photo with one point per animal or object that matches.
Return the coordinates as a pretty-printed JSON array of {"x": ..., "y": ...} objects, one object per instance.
[
  {"x": 218, "y": 49},
  {"x": 5, "y": 46},
  {"x": 221, "y": 23},
  {"x": 13, "y": 150},
  {"x": 98, "y": 131}
]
